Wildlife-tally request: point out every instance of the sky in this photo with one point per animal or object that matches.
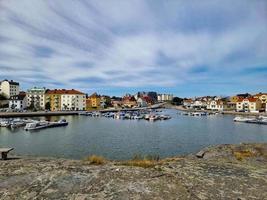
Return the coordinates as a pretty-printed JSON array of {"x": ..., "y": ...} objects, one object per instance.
[{"x": 188, "y": 48}]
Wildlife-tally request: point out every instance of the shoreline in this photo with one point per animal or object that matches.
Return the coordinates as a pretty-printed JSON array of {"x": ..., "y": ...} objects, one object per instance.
[
  {"x": 180, "y": 108},
  {"x": 58, "y": 113},
  {"x": 216, "y": 172}
]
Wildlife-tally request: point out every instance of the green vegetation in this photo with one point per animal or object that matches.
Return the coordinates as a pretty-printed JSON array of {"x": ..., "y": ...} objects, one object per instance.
[{"x": 177, "y": 101}]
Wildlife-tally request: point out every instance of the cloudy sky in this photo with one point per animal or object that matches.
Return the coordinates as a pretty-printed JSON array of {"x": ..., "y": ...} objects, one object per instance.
[{"x": 184, "y": 47}]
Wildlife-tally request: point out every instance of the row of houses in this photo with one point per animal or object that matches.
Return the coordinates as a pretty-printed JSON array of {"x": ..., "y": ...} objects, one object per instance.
[
  {"x": 41, "y": 98},
  {"x": 240, "y": 103}
]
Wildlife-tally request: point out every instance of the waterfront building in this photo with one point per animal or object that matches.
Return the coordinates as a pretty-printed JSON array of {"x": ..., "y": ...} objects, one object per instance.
[
  {"x": 73, "y": 100},
  {"x": 235, "y": 99},
  {"x": 215, "y": 105},
  {"x": 141, "y": 102},
  {"x": 151, "y": 94},
  {"x": 129, "y": 102},
  {"x": 36, "y": 98},
  {"x": 53, "y": 100},
  {"x": 187, "y": 103},
  {"x": 62, "y": 100},
  {"x": 199, "y": 104},
  {"x": 116, "y": 102},
  {"x": 164, "y": 97},
  {"x": 93, "y": 101},
  {"x": 9, "y": 88},
  {"x": 263, "y": 98},
  {"x": 18, "y": 102},
  {"x": 249, "y": 104}
]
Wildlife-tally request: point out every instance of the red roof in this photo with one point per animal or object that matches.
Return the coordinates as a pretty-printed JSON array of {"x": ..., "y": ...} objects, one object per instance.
[
  {"x": 63, "y": 91},
  {"x": 250, "y": 99}
]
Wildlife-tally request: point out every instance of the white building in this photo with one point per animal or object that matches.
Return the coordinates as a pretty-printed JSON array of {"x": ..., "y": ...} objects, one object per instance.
[
  {"x": 9, "y": 88},
  {"x": 18, "y": 102},
  {"x": 73, "y": 100},
  {"x": 36, "y": 98},
  {"x": 141, "y": 102},
  {"x": 250, "y": 104},
  {"x": 216, "y": 105},
  {"x": 165, "y": 97}
]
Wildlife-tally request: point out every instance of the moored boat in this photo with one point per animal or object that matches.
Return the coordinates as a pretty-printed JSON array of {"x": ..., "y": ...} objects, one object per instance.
[
  {"x": 59, "y": 123},
  {"x": 36, "y": 125}
]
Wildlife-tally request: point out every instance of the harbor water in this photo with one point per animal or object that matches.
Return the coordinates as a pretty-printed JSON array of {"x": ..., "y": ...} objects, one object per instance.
[{"x": 122, "y": 139}]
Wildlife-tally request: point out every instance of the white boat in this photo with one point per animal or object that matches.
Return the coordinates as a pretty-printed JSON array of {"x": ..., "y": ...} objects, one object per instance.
[
  {"x": 164, "y": 117},
  {"x": 5, "y": 123},
  {"x": 243, "y": 119},
  {"x": 36, "y": 125},
  {"x": 61, "y": 122},
  {"x": 17, "y": 124}
]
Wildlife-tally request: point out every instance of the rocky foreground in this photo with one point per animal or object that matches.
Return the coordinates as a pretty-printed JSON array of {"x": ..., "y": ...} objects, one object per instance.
[{"x": 221, "y": 172}]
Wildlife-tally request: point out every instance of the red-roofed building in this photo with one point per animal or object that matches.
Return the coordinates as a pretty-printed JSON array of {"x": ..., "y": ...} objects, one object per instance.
[
  {"x": 62, "y": 99},
  {"x": 129, "y": 101},
  {"x": 249, "y": 104}
]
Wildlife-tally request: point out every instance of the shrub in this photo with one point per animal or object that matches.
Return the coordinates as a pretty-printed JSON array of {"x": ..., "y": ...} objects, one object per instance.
[
  {"x": 96, "y": 160},
  {"x": 240, "y": 155},
  {"x": 145, "y": 162}
]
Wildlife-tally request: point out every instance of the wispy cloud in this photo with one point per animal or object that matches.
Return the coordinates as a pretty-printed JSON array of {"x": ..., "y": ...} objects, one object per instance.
[{"x": 114, "y": 44}]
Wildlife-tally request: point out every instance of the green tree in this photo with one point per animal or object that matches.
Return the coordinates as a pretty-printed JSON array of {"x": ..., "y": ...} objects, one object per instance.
[
  {"x": 177, "y": 101},
  {"x": 47, "y": 106}
]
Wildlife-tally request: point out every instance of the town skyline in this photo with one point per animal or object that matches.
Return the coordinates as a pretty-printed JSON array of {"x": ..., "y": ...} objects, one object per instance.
[{"x": 186, "y": 48}]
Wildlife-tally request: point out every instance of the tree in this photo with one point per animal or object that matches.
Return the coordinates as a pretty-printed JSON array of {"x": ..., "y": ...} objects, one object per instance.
[
  {"x": 177, "y": 101},
  {"x": 47, "y": 106}
]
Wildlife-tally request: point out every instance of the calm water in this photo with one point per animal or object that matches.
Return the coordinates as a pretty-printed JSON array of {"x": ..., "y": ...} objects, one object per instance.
[{"x": 121, "y": 139}]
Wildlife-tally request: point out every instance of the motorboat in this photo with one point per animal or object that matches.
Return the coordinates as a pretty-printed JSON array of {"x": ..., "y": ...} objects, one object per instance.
[
  {"x": 36, "y": 125},
  {"x": 243, "y": 119},
  {"x": 59, "y": 123}
]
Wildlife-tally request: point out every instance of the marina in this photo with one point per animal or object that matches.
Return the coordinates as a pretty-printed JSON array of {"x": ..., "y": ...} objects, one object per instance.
[
  {"x": 123, "y": 137},
  {"x": 30, "y": 124},
  {"x": 148, "y": 114}
]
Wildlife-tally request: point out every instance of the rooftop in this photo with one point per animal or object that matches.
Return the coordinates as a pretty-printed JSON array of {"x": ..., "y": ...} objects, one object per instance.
[
  {"x": 63, "y": 91},
  {"x": 11, "y": 82}
]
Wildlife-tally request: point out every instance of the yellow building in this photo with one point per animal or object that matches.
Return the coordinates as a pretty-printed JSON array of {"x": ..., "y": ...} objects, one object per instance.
[
  {"x": 235, "y": 99},
  {"x": 53, "y": 98},
  {"x": 262, "y": 97},
  {"x": 93, "y": 101}
]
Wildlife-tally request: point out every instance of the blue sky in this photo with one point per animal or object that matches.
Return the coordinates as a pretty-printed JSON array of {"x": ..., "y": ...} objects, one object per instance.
[{"x": 188, "y": 47}]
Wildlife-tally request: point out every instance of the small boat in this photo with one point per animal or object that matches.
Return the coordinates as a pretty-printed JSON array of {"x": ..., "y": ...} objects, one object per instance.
[
  {"x": 5, "y": 123},
  {"x": 36, "y": 125},
  {"x": 165, "y": 117},
  {"x": 17, "y": 124},
  {"x": 59, "y": 123},
  {"x": 243, "y": 119}
]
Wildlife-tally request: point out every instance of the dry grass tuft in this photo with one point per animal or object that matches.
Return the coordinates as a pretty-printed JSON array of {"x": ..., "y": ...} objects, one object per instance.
[
  {"x": 240, "y": 155},
  {"x": 96, "y": 160},
  {"x": 145, "y": 162}
]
